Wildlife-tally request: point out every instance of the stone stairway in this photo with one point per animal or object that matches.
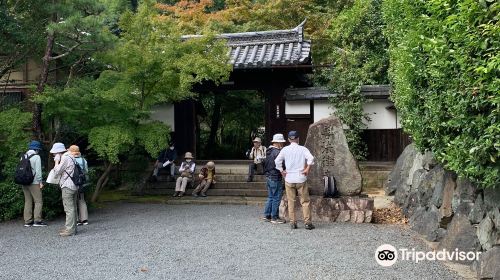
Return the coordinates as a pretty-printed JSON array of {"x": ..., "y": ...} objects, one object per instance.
[{"x": 230, "y": 181}]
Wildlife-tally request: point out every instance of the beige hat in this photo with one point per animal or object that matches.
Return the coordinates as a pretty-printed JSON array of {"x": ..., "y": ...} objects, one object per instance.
[
  {"x": 210, "y": 165},
  {"x": 188, "y": 155},
  {"x": 257, "y": 139},
  {"x": 75, "y": 150}
]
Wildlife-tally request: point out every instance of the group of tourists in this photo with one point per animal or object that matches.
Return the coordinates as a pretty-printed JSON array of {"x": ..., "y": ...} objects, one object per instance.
[
  {"x": 281, "y": 165},
  {"x": 288, "y": 166},
  {"x": 70, "y": 172},
  {"x": 291, "y": 164},
  {"x": 206, "y": 177}
]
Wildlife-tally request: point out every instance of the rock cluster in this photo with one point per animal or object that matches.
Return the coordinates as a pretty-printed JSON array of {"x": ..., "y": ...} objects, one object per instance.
[{"x": 447, "y": 209}]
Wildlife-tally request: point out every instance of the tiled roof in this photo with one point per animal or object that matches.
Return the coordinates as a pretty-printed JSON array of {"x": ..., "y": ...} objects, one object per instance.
[
  {"x": 266, "y": 49},
  {"x": 319, "y": 93}
]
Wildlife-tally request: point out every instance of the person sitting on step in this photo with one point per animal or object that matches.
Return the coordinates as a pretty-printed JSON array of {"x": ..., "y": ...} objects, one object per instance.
[
  {"x": 164, "y": 160},
  {"x": 207, "y": 178},
  {"x": 258, "y": 153},
  {"x": 187, "y": 171}
]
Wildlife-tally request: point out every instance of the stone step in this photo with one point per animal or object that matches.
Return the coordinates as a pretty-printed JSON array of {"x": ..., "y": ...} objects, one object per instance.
[
  {"x": 225, "y": 178},
  {"x": 210, "y": 192},
  {"x": 218, "y": 185},
  {"x": 224, "y": 169}
]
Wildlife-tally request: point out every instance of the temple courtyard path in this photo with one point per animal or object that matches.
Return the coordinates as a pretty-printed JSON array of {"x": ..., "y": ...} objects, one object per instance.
[{"x": 160, "y": 241}]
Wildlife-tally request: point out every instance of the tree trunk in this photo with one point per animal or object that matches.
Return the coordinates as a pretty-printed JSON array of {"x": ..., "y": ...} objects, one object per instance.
[
  {"x": 37, "y": 112},
  {"x": 103, "y": 180},
  {"x": 214, "y": 125}
]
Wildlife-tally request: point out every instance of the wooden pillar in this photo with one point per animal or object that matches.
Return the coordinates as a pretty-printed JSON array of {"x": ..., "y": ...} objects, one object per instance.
[
  {"x": 275, "y": 120},
  {"x": 185, "y": 127}
]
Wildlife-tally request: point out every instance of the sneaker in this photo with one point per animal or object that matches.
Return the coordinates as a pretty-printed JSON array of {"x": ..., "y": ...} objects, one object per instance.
[
  {"x": 195, "y": 195},
  {"x": 28, "y": 224},
  {"x": 39, "y": 224},
  {"x": 203, "y": 194},
  {"x": 266, "y": 219},
  {"x": 310, "y": 226},
  {"x": 65, "y": 233},
  {"x": 175, "y": 194},
  {"x": 82, "y": 223},
  {"x": 277, "y": 221},
  {"x": 181, "y": 194},
  {"x": 293, "y": 225}
]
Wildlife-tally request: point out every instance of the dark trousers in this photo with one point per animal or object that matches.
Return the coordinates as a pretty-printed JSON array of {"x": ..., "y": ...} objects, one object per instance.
[{"x": 254, "y": 168}]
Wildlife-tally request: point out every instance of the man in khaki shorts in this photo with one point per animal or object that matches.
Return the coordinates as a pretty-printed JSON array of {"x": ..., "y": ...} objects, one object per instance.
[{"x": 298, "y": 161}]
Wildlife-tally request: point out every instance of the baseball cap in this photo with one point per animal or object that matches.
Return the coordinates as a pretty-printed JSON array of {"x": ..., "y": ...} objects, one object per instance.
[{"x": 293, "y": 135}]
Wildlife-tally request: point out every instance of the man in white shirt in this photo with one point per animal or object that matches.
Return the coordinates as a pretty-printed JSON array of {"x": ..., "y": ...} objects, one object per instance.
[{"x": 298, "y": 160}]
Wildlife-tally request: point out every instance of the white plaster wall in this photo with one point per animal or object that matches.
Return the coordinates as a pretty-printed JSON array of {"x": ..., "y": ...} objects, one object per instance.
[
  {"x": 301, "y": 107},
  {"x": 381, "y": 118},
  {"x": 165, "y": 114},
  {"x": 322, "y": 109}
]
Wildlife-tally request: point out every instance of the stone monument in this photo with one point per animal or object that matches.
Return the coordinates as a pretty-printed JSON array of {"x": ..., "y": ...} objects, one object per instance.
[
  {"x": 327, "y": 142},
  {"x": 328, "y": 145}
]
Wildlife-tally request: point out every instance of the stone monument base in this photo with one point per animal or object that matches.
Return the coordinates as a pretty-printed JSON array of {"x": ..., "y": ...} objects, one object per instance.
[{"x": 353, "y": 209}]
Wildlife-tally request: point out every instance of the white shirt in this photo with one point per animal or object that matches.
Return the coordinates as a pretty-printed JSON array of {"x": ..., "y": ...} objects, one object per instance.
[{"x": 295, "y": 157}]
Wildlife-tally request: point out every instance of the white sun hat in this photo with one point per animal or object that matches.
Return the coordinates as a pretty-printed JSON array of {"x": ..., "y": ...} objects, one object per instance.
[
  {"x": 57, "y": 148},
  {"x": 278, "y": 138}
]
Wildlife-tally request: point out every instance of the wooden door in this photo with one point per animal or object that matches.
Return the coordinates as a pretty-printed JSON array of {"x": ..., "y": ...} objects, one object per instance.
[{"x": 300, "y": 124}]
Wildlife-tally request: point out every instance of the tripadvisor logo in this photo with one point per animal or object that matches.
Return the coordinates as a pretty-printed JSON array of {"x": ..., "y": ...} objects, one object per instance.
[{"x": 387, "y": 255}]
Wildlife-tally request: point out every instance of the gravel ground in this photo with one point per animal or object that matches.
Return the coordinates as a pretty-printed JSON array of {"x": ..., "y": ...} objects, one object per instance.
[{"x": 157, "y": 241}]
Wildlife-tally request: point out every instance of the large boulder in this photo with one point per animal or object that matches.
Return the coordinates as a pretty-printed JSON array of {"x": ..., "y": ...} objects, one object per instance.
[
  {"x": 464, "y": 192},
  {"x": 477, "y": 213},
  {"x": 437, "y": 177},
  {"x": 447, "y": 196},
  {"x": 399, "y": 175},
  {"x": 460, "y": 235},
  {"x": 489, "y": 264},
  {"x": 426, "y": 222},
  {"x": 411, "y": 200},
  {"x": 491, "y": 198},
  {"x": 428, "y": 160},
  {"x": 486, "y": 233},
  {"x": 328, "y": 144}
]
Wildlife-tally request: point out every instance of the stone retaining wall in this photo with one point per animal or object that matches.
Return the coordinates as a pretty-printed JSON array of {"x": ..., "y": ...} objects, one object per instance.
[
  {"x": 353, "y": 209},
  {"x": 448, "y": 210}
]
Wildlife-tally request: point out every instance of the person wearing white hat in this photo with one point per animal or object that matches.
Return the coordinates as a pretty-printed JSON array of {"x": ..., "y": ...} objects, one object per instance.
[
  {"x": 187, "y": 171},
  {"x": 258, "y": 153},
  {"x": 274, "y": 181},
  {"x": 57, "y": 151}
]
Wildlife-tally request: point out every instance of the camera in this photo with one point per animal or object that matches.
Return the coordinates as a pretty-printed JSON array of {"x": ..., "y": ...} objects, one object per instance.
[{"x": 386, "y": 255}]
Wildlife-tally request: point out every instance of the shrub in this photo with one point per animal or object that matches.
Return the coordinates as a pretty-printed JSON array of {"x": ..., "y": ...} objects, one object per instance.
[{"x": 445, "y": 61}]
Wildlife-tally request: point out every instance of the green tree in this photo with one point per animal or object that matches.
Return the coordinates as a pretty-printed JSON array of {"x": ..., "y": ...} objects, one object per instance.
[
  {"x": 75, "y": 29},
  {"x": 21, "y": 32},
  {"x": 359, "y": 55},
  {"x": 150, "y": 64},
  {"x": 14, "y": 140},
  {"x": 445, "y": 61}
]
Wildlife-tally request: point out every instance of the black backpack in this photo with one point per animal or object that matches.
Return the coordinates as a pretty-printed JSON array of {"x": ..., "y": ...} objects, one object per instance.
[
  {"x": 24, "y": 175},
  {"x": 330, "y": 187},
  {"x": 78, "y": 178}
]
